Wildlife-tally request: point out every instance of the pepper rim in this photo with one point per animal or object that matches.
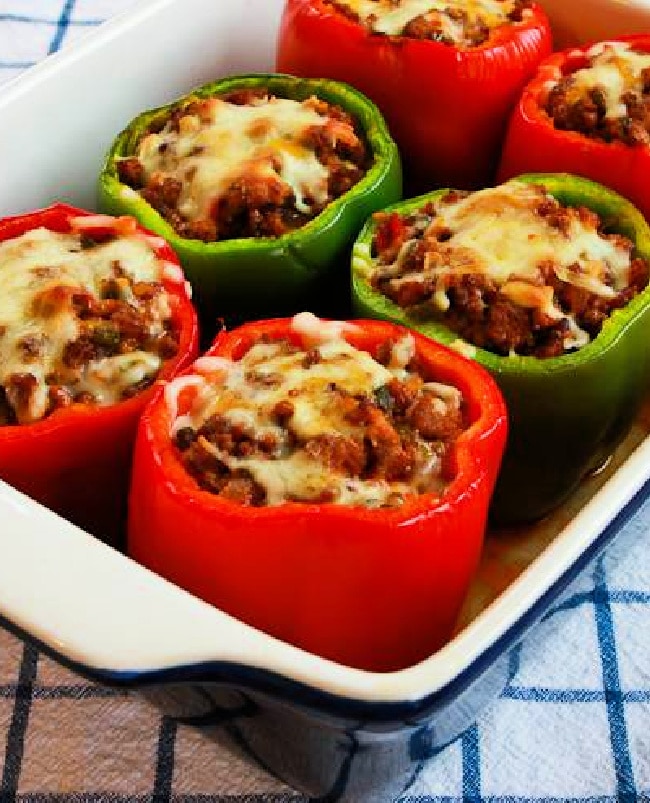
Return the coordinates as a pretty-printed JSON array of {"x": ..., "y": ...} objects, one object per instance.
[
  {"x": 551, "y": 69},
  {"x": 499, "y": 36},
  {"x": 490, "y": 423},
  {"x": 365, "y": 113},
  {"x": 182, "y": 314},
  {"x": 568, "y": 189}
]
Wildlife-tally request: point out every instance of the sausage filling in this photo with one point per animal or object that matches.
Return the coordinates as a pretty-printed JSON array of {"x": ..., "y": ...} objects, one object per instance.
[
  {"x": 81, "y": 320},
  {"x": 328, "y": 423},
  {"x": 247, "y": 164},
  {"x": 452, "y": 22},
  {"x": 608, "y": 98},
  {"x": 509, "y": 269}
]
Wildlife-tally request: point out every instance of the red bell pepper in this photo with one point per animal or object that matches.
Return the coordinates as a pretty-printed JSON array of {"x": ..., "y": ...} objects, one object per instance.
[
  {"x": 533, "y": 144},
  {"x": 76, "y": 461},
  {"x": 377, "y": 589},
  {"x": 446, "y": 107}
]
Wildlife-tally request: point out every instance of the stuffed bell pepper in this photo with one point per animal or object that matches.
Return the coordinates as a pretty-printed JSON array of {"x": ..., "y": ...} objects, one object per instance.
[
  {"x": 93, "y": 311},
  {"x": 326, "y": 482},
  {"x": 587, "y": 111},
  {"x": 260, "y": 183},
  {"x": 544, "y": 281},
  {"x": 446, "y": 74}
]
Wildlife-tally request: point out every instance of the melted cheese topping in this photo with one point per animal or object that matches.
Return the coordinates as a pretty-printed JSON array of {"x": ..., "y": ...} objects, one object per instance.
[
  {"x": 497, "y": 232},
  {"x": 260, "y": 141},
  {"x": 391, "y": 17},
  {"x": 614, "y": 69},
  {"x": 39, "y": 272},
  {"x": 246, "y": 392}
]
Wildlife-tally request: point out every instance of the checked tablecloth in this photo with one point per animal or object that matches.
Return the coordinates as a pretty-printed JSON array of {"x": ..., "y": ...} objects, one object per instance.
[{"x": 572, "y": 724}]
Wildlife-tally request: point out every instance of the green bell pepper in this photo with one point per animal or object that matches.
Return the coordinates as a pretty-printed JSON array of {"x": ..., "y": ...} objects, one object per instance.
[
  {"x": 266, "y": 275},
  {"x": 567, "y": 413}
]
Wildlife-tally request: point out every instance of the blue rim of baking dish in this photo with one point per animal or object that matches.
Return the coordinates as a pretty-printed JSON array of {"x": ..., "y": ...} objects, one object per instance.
[{"x": 320, "y": 702}]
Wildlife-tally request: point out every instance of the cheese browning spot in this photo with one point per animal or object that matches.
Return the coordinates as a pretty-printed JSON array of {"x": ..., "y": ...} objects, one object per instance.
[
  {"x": 607, "y": 98},
  {"x": 246, "y": 164},
  {"x": 323, "y": 423},
  {"x": 81, "y": 320},
  {"x": 466, "y": 23},
  {"x": 508, "y": 268}
]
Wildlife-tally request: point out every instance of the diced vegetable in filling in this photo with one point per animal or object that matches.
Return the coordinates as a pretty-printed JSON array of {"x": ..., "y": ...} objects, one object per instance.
[
  {"x": 324, "y": 423},
  {"x": 81, "y": 320},
  {"x": 509, "y": 269},
  {"x": 608, "y": 98},
  {"x": 247, "y": 164},
  {"x": 453, "y": 22}
]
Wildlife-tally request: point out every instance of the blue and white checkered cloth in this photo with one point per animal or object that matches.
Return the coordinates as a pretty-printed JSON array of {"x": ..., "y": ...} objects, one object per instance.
[
  {"x": 573, "y": 723},
  {"x": 31, "y": 29}
]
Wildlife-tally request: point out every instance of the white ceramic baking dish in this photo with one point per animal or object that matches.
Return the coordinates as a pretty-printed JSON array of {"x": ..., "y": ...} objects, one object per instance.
[
  {"x": 591, "y": 20},
  {"x": 112, "y": 620}
]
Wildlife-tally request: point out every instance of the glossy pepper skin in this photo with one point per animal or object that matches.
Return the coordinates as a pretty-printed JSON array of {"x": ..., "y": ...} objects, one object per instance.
[
  {"x": 534, "y": 144},
  {"x": 77, "y": 460},
  {"x": 376, "y": 589},
  {"x": 447, "y": 107},
  {"x": 265, "y": 275},
  {"x": 567, "y": 413}
]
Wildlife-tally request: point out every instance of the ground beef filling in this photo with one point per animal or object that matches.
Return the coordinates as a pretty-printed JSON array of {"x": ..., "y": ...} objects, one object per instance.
[
  {"x": 608, "y": 98},
  {"x": 120, "y": 337},
  {"x": 543, "y": 313},
  {"x": 372, "y": 448},
  {"x": 268, "y": 180},
  {"x": 455, "y": 23}
]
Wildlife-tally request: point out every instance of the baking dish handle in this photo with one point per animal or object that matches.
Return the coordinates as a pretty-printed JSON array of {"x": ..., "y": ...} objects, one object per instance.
[{"x": 107, "y": 616}]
